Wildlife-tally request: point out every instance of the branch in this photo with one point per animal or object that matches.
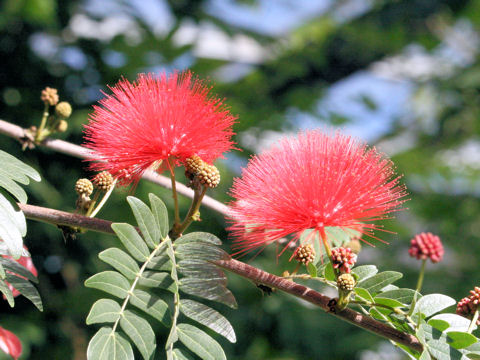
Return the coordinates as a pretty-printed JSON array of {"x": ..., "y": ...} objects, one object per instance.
[
  {"x": 67, "y": 148},
  {"x": 244, "y": 270}
]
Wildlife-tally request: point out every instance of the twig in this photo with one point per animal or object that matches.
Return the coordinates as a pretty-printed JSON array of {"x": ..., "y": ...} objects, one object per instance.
[
  {"x": 244, "y": 270},
  {"x": 67, "y": 148}
]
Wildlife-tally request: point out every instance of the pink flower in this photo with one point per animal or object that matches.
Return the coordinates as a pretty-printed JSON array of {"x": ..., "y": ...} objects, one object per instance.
[
  {"x": 426, "y": 246},
  {"x": 153, "y": 119},
  {"x": 10, "y": 343},
  {"x": 25, "y": 261},
  {"x": 343, "y": 259},
  {"x": 312, "y": 181},
  {"x": 468, "y": 305}
]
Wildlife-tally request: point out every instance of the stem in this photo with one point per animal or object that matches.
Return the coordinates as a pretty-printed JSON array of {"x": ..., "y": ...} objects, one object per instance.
[
  {"x": 243, "y": 270},
  {"x": 92, "y": 204},
  {"x": 139, "y": 275},
  {"x": 419, "y": 286},
  {"x": 38, "y": 135},
  {"x": 196, "y": 202},
  {"x": 104, "y": 200},
  {"x": 473, "y": 322},
  {"x": 174, "y": 192},
  {"x": 328, "y": 250}
]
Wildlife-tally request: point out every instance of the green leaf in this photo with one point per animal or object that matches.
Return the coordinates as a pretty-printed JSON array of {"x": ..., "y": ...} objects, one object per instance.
[
  {"x": 425, "y": 355},
  {"x": 405, "y": 296},
  {"x": 12, "y": 165},
  {"x": 208, "y": 317},
  {"x": 160, "y": 280},
  {"x": 200, "y": 342},
  {"x": 141, "y": 333},
  {"x": 364, "y": 294},
  {"x": 5, "y": 290},
  {"x": 201, "y": 270},
  {"x": 365, "y": 271},
  {"x": 388, "y": 302},
  {"x": 13, "y": 188},
  {"x": 438, "y": 324},
  {"x": 18, "y": 269},
  {"x": 460, "y": 340},
  {"x": 329, "y": 274},
  {"x": 132, "y": 241},
  {"x": 200, "y": 250},
  {"x": 208, "y": 289},
  {"x": 196, "y": 237},
  {"x": 104, "y": 311},
  {"x": 161, "y": 263},
  {"x": 145, "y": 220},
  {"x": 179, "y": 354},
  {"x": 432, "y": 304},
  {"x": 312, "y": 270},
  {"x": 440, "y": 350},
  {"x": 107, "y": 345},
  {"x": 376, "y": 282},
  {"x": 160, "y": 214},
  {"x": 12, "y": 226},
  {"x": 340, "y": 236},
  {"x": 455, "y": 322},
  {"x": 152, "y": 305},
  {"x": 121, "y": 261},
  {"x": 26, "y": 288},
  {"x": 111, "y": 282}
]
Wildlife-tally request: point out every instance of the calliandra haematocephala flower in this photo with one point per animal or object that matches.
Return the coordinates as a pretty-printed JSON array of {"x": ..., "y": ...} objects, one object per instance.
[
  {"x": 312, "y": 181},
  {"x": 144, "y": 123}
]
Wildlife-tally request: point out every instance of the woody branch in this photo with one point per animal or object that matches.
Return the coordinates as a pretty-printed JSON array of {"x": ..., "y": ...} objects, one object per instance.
[{"x": 244, "y": 270}]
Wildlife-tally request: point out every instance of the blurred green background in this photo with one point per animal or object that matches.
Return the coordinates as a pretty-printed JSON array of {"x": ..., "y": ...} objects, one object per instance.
[{"x": 402, "y": 75}]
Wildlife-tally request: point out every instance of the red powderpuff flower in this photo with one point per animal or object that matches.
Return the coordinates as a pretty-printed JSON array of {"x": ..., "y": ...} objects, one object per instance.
[
  {"x": 155, "y": 119},
  {"x": 10, "y": 343},
  {"x": 312, "y": 181},
  {"x": 426, "y": 246},
  {"x": 25, "y": 261}
]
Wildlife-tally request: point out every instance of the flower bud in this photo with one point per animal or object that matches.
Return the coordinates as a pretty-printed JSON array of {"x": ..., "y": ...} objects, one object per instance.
[
  {"x": 103, "y": 180},
  {"x": 426, "y": 246},
  {"x": 61, "y": 126},
  {"x": 49, "y": 96},
  {"x": 305, "y": 254},
  {"x": 83, "y": 187},
  {"x": 63, "y": 110},
  {"x": 346, "y": 282},
  {"x": 343, "y": 259}
]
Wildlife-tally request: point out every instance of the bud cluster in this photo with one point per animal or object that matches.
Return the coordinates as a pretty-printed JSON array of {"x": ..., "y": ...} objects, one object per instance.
[
  {"x": 426, "y": 246},
  {"x": 103, "y": 180},
  {"x": 343, "y": 259},
  {"x": 468, "y": 305},
  {"x": 346, "y": 282},
  {"x": 305, "y": 254},
  {"x": 195, "y": 168},
  {"x": 55, "y": 122}
]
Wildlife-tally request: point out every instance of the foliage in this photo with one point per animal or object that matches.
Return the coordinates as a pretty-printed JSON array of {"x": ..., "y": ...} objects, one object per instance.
[{"x": 152, "y": 267}]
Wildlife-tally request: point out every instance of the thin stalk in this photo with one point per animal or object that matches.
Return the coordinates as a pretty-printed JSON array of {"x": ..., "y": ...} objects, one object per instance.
[
  {"x": 174, "y": 191},
  {"x": 419, "y": 286},
  {"x": 38, "y": 135},
  {"x": 134, "y": 284},
  {"x": 92, "y": 204},
  {"x": 104, "y": 199},
  {"x": 328, "y": 250},
  {"x": 473, "y": 322},
  {"x": 196, "y": 202}
]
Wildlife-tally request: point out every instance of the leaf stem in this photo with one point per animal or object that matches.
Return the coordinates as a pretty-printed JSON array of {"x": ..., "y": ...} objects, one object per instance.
[
  {"x": 39, "y": 135},
  {"x": 137, "y": 278},
  {"x": 174, "y": 191},
  {"x": 419, "y": 287},
  {"x": 192, "y": 213},
  {"x": 104, "y": 200},
  {"x": 473, "y": 322}
]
